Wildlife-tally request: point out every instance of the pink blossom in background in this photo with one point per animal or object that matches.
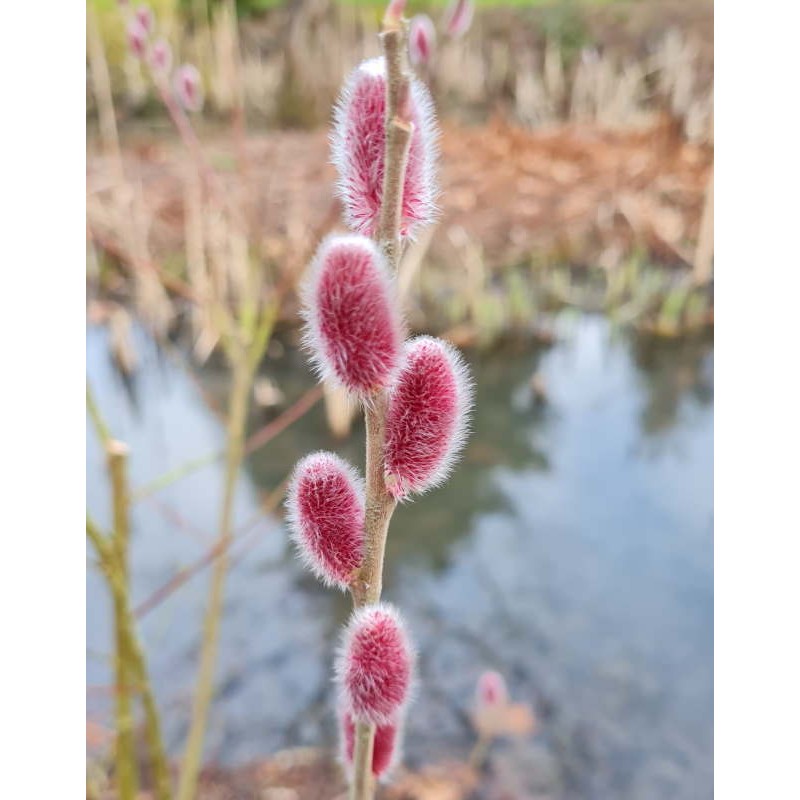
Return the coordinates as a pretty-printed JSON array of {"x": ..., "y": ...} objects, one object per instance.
[
  {"x": 375, "y": 665},
  {"x": 353, "y": 327},
  {"x": 144, "y": 16},
  {"x": 325, "y": 503},
  {"x": 458, "y": 17},
  {"x": 421, "y": 40},
  {"x": 491, "y": 690},
  {"x": 137, "y": 38},
  {"x": 357, "y": 145},
  {"x": 428, "y": 416},
  {"x": 385, "y": 750},
  {"x": 161, "y": 57},
  {"x": 188, "y": 87}
]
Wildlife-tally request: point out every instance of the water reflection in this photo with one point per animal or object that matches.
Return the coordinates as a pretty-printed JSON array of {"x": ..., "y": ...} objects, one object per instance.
[{"x": 572, "y": 550}]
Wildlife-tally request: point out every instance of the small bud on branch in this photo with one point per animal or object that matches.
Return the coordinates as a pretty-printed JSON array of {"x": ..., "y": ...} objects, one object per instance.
[
  {"x": 144, "y": 16},
  {"x": 137, "y": 38},
  {"x": 394, "y": 13},
  {"x": 421, "y": 40},
  {"x": 325, "y": 501},
  {"x": 188, "y": 87},
  {"x": 161, "y": 58},
  {"x": 491, "y": 690},
  {"x": 353, "y": 327},
  {"x": 358, "y": 144},
  {"x": 375, "y": 665},
  {"x": 428, "y": 416},
  {"x": 385, "y": 750}
]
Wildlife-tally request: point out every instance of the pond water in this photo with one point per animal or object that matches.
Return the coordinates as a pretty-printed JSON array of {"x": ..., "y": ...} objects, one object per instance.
[{"x": 572, "y": 551}]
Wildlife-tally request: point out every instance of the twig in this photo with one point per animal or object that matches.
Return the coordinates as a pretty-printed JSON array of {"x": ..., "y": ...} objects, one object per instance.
[
  {"x": 380, "y": 504},
  {"x": 183, "y": 575},
  {"x": 258, "y": 440}
]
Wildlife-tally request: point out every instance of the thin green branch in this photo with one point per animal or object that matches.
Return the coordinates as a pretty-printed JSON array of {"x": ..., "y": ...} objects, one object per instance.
[
  {"x": 139, "y": 679},
  {"x": 237, "y": 419},
  {"x": 98, "y": 422}
]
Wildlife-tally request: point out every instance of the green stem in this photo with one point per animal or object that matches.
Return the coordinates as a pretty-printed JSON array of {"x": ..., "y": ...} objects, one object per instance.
[
  {"x": 125, "y": 747},
  {"x": 97, "y": 420},
  {"x": 141, "y": 678},
  {"x": 237, "y": 419}
]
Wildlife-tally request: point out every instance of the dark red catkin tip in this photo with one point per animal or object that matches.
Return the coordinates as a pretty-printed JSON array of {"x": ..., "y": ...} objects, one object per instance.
[
  {"x": 325, "y": 503},
  {"x": 357, "y": 151},
  {"x": 353, "y": 327},
  {"x": 375, "y": 665},
  {"x": 385, "y": 749},
  {"x": 428, "y": 416}
]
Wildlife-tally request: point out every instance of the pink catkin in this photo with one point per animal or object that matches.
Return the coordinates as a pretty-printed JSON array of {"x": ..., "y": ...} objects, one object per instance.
[
  {"x": 137, "y": 38},
  {"x": 458, "y": 17},
  {"x": 427, "y": 419},
  {"x": 353, "y": 327},
  {"x": 357, "y": 145},
  {"x": 421, "y": 40},
  {"x": 491, "y": 690},
  {"x": 375, "y": 665},
  {"x": 385, "y": 750},
  {"x": 144, "y": 16},
  {"x": 188, "y": 87},
  {"x": 325, "y": 501},
  {"x": 161, "y": 57},
  {"x": 394, "y": 11}
]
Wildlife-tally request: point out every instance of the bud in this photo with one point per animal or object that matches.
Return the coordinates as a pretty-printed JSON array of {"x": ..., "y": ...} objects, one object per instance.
[
  {"x": 353, "y": 327},
  {"x": 325, "y": 503},
  {"x": 458, "y": 17},
  {"x": 394, "y": 13},
  {"x": 137, "y": 39},
  {"x": 375, "y": 665},
  {"x": 491, "y": 690},
  {"x": 421, "y": 40},
  {"x": 385, "y": 748},
  {"x": 144, "y": 16},
  {"x": 427, "y": 418},
  {"x": 161, "y": 57},
  {"x": 189, "y": 87},
  {"x": 358, "y": 142}
]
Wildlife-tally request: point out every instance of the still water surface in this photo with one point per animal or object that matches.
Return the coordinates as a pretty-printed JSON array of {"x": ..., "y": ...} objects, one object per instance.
[{"x": 572, "y": 551}]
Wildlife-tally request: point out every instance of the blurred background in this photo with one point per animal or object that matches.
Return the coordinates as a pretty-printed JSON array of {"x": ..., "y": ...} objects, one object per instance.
[{"x": 572, "y": 549}]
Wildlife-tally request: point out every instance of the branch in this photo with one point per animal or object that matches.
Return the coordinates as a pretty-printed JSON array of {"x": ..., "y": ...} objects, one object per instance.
[{"x": 366, "y": 587}]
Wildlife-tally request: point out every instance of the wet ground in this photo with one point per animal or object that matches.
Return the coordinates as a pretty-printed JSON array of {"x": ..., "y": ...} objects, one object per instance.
[{"x": 572, "y": 550}]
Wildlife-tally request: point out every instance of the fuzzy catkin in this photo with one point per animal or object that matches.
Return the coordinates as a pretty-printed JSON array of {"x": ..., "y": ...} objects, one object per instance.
[
  {"x": 427, "y": 418},
  {"x": 375, "y": 665},
  {"x": 325, "y": 502},
  {"x": 357, "y": 151},
  {"x": 353, "y": 327}
]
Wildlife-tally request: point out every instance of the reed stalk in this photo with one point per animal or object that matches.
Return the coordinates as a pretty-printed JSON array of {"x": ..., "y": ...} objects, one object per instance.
[
  {"x": 125, "y": 746},
  {"x": 131, "y": 674}
]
